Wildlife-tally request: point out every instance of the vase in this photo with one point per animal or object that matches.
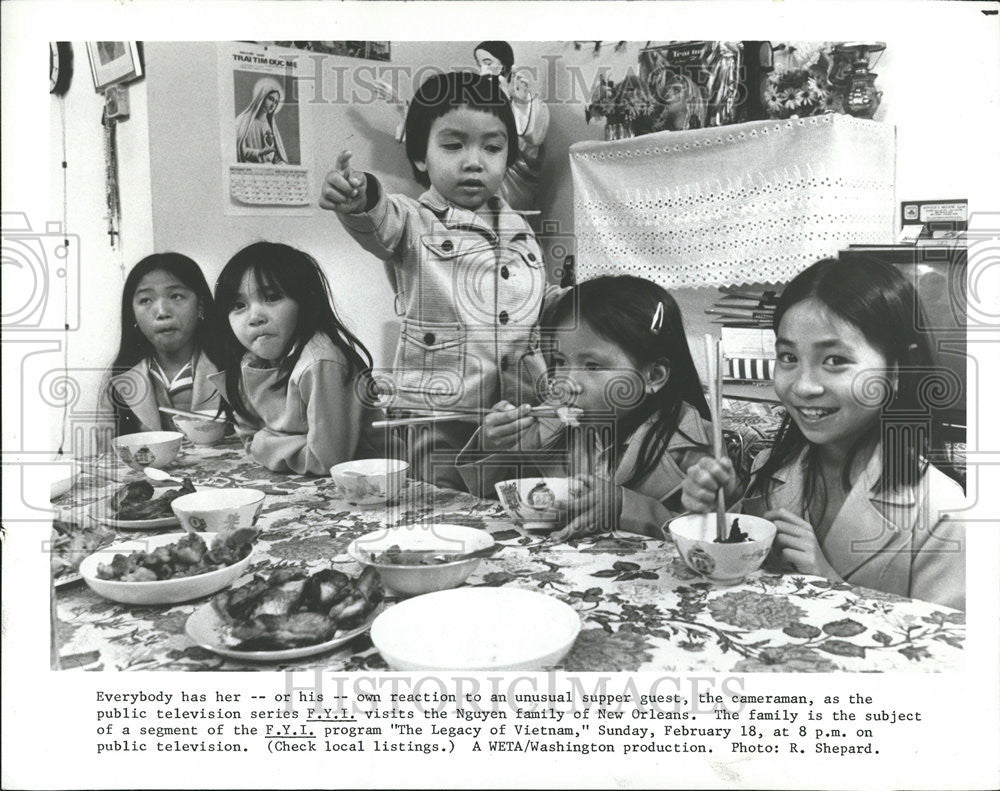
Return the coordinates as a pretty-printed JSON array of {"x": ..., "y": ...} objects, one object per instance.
[{"x": 615, "y": 130}]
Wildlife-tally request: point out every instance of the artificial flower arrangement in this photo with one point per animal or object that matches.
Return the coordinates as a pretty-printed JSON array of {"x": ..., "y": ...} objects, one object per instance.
[
  {"x": 627, "y": 104},
  {"x": 799, "y": 84}
]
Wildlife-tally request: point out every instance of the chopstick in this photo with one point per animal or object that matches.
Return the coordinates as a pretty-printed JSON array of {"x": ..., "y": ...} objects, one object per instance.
[
  {"x": 454, "y": 414},
  {"x": 712, "y": 350},
  {"x": 195, "y": 415}
]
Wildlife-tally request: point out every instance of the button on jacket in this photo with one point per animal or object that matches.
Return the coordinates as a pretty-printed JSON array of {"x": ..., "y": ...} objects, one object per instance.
[{"x": 470, "y": 295}]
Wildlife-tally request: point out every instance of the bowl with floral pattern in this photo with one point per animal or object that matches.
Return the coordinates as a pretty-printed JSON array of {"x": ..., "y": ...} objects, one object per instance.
[
  {"x": 748, "y": 540},
  {"x": 219, "y": 510},
  {"x": 369, "y": 481},
  {"x": 148, "y": 448}
]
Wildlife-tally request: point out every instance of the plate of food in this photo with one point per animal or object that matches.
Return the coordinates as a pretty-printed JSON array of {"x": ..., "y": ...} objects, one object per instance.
[
  {"x": 170, "y": 568},
  {"x": 71, "y": 544},
  {"x": 288, "y": 615},
  {"x": 140, "y": 506}
]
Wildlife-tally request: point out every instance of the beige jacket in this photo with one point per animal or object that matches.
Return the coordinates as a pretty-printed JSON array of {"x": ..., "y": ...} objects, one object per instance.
[
  {"x": 313, "y": 423},
  {"x": 470, "y": 295},
  {"x": 135, "y": 389},
  {"x": 904, "y": 542}
]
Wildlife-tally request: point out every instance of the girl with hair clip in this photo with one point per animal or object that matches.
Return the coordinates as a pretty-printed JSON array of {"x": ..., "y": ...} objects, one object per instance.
[
  {"x": 621, "y": 360},
  {"x": 168, "y": 346},
  {"x": 295, "y": 376},
  {"x": 848, "y": 482}
]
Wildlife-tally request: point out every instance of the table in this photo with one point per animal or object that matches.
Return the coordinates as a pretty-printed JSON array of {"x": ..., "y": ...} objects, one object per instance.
[{"x": 641, "y": 607}]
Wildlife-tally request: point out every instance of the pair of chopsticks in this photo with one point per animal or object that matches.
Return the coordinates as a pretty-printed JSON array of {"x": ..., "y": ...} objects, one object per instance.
[
  {"x": 453, "y": 414},
  {"x": 713, "y": 355},
  {"x": 194, "y": 415}
]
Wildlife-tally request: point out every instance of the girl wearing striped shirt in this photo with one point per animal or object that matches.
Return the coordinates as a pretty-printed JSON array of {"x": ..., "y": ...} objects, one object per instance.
[{"x": 167, "y": 348}]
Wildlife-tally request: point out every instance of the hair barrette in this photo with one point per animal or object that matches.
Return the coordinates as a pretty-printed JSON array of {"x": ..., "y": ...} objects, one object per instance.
[{"x": 657, "y": 323}]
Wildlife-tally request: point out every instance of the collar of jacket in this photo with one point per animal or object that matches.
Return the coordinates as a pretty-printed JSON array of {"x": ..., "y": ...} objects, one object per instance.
[
  {"x": 509, "y": 222},
  {"x": 868, "y": 521},
  {"x": 135, "y": 388}
]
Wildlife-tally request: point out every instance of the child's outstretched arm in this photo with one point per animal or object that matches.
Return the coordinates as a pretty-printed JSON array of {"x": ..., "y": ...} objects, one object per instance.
[
  {"x": 377, "y": 221},
  {"x": 333, "y": 415},
  {"x": 345, "y": 191}
]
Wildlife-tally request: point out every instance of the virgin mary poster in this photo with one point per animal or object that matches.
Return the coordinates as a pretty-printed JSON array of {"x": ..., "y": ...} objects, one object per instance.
[{"x": 264, "y": 151}]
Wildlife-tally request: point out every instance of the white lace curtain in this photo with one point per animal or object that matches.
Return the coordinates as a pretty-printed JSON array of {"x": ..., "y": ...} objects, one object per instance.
[{"x": 755, "y": 202}]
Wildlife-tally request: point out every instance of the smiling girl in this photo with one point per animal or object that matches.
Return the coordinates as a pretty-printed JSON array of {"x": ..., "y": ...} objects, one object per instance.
[
  {"x": 849, "y": 483},
  {"x": 294, "y": 374},
  {"x": 167, "y": 348}
]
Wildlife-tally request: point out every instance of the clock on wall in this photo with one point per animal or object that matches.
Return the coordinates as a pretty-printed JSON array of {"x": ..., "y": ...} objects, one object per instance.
[{"x": 60, "y": 66}]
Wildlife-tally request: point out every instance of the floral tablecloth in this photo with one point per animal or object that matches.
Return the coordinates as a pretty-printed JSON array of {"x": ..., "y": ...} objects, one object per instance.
[{"x": 641, "y": 607}]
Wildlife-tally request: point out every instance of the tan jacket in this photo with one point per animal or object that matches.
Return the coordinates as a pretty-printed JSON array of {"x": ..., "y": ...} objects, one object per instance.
[
  {"x": 902, "y": 542},
  {"x": 135, "y": 389},
  {"x": 313, "y": 423},
  {"x": 470, "y": 295}
]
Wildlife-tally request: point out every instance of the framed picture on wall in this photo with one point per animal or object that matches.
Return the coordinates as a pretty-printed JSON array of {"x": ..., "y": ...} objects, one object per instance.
[{"x": 113, "y": 62}]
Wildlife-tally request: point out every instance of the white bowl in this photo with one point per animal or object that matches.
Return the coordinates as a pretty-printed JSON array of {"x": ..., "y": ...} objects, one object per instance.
[
  {"x": 201, "y": 432},
  {"x": 216, "y": 510},
  {"x": 148, "y": 448},
  {"x": 414, "y": 580},
  {"x": 540, "y": 503},
  {"x": 369, "y": 481},
  {"x": 476, "y": 629},
  {"x": 726, "y": 564},
  {"x": 157, "y": 591}
]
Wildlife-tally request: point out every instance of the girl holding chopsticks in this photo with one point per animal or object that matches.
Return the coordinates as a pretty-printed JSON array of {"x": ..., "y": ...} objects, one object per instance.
[
  {"x": 848, "y": 482},
  {"x": 621, "y": 361},
  {"x": 168, "y": 345}
]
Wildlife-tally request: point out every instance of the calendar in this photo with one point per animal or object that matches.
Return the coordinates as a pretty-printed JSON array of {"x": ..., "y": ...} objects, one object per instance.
[
  {"x": 255, "y": 186},
  {"x": 265, "y": 134}
]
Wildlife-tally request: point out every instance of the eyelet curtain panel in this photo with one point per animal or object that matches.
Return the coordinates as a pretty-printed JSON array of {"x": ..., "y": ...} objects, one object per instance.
[{"x": 754, "y": 202}]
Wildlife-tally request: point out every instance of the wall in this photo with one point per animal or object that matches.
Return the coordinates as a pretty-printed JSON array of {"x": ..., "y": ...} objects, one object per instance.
[
  {"x": 170, "y": 159},
  {"x": 187, "y": 163},
  {"x": 102, "y": 269}
]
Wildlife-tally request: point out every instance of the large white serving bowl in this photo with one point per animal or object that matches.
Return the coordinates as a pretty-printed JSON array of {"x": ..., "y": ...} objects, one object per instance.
[
  {"x": 157, "y": 591},
  {"x": 148, "y": 448},
  {"x": 538, "y": 503},
  {"x": 725, "y": 564},
  {"x": 414, "y": 580},
  {"x": 476, "y": 629},
  {"x": 216, "y": 510},
  {"x": 201, "y": 432},
  {"x": 369, "y": 481}
]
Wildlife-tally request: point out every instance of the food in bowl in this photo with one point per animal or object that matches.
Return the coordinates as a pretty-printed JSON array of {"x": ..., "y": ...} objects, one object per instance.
[
  {"x": 208, "y": 431},
  {"x": 292, "y": 608},
  {"x": 734, "y": 536},
  {"x": 369, "y": 481},
  {"x": 135, "y": 501},
  {"x": 420, "y": 558},
  {"x": 726, "y": 563},
  {"x": 186, "y": 557},
  {"x": 539, "y": 503},
  {"x": 216, "y": 510},
  {"x": 148, "y": 448}
]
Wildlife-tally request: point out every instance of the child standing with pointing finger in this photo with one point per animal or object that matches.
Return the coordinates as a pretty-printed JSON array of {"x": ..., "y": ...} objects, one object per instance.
[{"x": 466, "y": 269}]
